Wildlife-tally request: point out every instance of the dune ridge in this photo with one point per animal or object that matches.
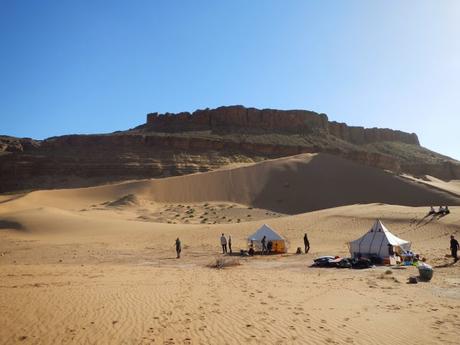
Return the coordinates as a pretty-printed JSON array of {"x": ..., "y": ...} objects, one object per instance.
[{"x": 290, "y": 185}]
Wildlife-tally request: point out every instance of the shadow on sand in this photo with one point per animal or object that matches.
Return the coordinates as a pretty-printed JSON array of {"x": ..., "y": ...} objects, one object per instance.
[{"x": 7, "y": 224}]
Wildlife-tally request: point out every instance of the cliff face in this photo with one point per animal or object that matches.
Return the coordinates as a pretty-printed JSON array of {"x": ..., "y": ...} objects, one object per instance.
[
  {"x": 12, "y": 144},
  {"x": 185, "y": 143},
  {"x": 293, "y": 121},
  {"x": 86, "y": 160}
]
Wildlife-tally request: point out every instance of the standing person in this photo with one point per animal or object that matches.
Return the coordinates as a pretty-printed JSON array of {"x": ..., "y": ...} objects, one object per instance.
[
  {"x": 223, "y": 242},
  {"x": 269, "y": 247},
  {"x": 230, "y": 243},
  {"x": 306, "y": 242},
  {"x": 178, "y": 247},
  {"x": 454, "y": 247},
  {"x": 264, "y": 244}
]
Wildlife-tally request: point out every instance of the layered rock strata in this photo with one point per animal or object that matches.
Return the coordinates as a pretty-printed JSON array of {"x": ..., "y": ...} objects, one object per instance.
[{"x": 294, "y": 121}]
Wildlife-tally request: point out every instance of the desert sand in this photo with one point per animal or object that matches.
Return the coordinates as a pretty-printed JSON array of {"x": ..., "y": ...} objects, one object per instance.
[{"x": 97, "y": 265}]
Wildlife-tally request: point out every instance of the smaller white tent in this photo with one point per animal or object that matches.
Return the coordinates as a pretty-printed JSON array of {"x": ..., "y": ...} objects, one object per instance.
[
  {"x": 376, "y": 242},
  {"x": 279, "y": 243}
]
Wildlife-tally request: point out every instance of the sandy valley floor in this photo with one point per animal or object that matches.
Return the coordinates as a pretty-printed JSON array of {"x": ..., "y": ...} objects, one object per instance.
[{"x": 75, "y": 270}]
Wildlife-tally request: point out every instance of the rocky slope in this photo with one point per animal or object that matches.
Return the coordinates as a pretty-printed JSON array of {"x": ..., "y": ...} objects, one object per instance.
[{"x": 178, "y": 144}]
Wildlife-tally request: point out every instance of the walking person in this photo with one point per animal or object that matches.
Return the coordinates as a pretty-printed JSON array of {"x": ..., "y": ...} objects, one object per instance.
[
  {"x": 178, "y": 247},
  {"x": 454, "y": 247},
  {"x": 306, "y": 243},
  {"x": 264, "y": 244},
  {"x": 223, "y": 242},
  {"x": 230, "y": 244}
]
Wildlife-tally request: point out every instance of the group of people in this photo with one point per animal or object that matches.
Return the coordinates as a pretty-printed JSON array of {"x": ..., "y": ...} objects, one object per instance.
[
  {"x": 306, "y": 244},
  {"x": 442, "y": 211},
  {"x": 267, "y": 246}
]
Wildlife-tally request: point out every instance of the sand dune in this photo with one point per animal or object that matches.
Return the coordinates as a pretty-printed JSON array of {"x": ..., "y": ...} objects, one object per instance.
[
  {"x": 94, "y": 265},
  {"x": 291, "y": 185},
  {"x": 452, "y": 186}
]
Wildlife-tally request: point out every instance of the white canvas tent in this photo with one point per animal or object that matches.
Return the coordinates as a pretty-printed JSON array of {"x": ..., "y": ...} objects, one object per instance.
[
  {"x": 279, "y": 243},
  {"x": 375, "y": 242}
]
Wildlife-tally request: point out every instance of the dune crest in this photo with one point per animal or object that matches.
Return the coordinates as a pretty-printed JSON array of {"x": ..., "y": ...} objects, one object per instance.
[{"x": 291, "y": 185}]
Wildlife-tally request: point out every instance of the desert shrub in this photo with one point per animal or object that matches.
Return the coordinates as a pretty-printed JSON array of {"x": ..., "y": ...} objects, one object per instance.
[{"x": 223, "y": 262}]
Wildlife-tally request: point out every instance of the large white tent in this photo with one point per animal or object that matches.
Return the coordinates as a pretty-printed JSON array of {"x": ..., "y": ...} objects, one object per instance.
[
  {"x": 279, "y": 243},
  {"x": 376, "y": 242}
]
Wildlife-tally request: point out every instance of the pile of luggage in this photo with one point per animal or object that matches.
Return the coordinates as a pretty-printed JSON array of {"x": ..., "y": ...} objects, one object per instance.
[{"x": 338, "y": 262}]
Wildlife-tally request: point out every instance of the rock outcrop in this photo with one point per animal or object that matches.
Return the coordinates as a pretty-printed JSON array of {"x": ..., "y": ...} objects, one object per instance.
[
  {"x": 294, "y": 121},
  {"x": 12, "y": 144}
]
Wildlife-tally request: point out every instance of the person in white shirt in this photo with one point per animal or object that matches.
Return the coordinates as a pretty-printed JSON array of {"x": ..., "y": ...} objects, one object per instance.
[{"x": 223, "y": 242}]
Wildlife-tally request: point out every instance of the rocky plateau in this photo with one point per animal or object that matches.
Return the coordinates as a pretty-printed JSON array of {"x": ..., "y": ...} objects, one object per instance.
[{"x": 177, "y": 144}]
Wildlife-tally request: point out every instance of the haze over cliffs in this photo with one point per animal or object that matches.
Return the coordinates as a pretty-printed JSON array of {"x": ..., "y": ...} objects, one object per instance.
[{"x": 178, "y": 144}]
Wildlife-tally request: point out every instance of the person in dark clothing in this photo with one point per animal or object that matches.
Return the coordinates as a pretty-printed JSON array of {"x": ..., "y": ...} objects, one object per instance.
[
  {"x": 230, "y": 244},
  {"x": 178, "y": 247},
  {"x": 264, "y": 244},
  {"x": 251, "y": 249},
  {"x": 306, "y": 243},
  {"x": 223, "y": 242},
  {"x": 446, "y": 210},
  {"x": 454, "y": 247},
  {"x": 269, "y": 247}
]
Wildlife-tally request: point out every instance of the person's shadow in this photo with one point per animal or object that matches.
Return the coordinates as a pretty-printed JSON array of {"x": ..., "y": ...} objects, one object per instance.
[
  {"x": 448, "y": 264},
  {"x": 433, "y": 216},
  {"x": 441, "y": 215}
]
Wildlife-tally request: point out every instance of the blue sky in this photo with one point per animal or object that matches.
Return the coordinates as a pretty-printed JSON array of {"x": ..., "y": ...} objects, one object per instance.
[{"x": 99, "y": 66}]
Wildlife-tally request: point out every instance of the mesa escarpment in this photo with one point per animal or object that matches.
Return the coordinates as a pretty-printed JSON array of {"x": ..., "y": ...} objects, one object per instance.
[
  {"x": 272, "y": 120},
  {"x": 178, "y": 144}
]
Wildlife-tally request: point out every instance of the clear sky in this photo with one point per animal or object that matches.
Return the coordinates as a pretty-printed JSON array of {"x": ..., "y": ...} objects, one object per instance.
[{"x": 99, "y": 66}]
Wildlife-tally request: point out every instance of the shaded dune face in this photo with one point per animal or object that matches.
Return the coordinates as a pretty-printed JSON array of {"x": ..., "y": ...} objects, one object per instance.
[
  {"x": 290, "y": 185},
  {"x": 301, "y": 184},
  {"x": 329, "y": 181}
]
